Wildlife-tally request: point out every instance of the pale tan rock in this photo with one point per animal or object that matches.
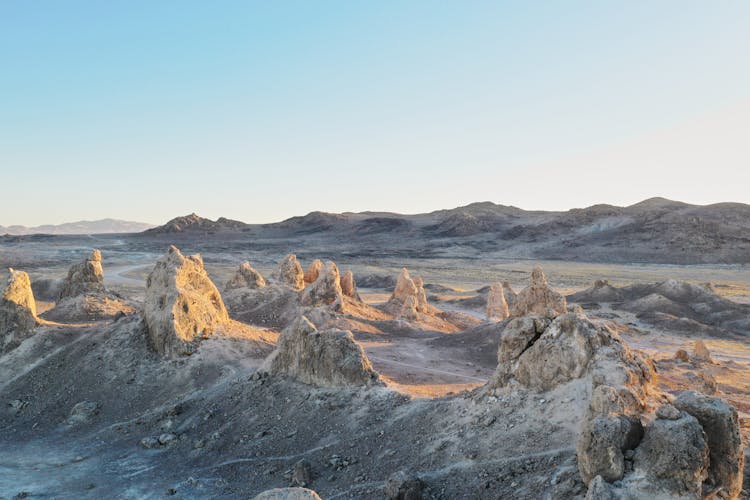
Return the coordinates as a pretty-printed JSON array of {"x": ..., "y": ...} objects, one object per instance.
[
  {"x": 409, "y": 308},
  {"x": 313, "y": 271},
  {"x": 408, "y": 298},
  {"x": 497, "y": 307},
  {"x": 182, "y": 304},
  {"x": 539, "y": 298},
  {"x": 246, "y": 277},
  {"x": 288, "y": 494},
  {"x": 18, "y": 317},
  {"x": 701, "y": 352},
  {"x": 290, "y": 273},
  {"x": 325, "y": 290},
  {"x": 84, "y": 278},
  {"x": 422, "y": 305},
  {"x": 323, "y": 358},
  {"x": 349, "y": 286}
]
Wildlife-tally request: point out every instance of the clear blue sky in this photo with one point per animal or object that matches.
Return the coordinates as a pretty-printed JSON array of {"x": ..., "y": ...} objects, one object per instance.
[{"x": 145, "y": 110}]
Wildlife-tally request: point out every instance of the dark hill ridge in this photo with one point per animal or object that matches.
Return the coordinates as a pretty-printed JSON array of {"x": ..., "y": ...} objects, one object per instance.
[{"x": 655, "y": 230}]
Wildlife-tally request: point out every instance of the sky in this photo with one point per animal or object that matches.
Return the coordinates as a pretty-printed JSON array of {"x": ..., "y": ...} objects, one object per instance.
[{"x": 259, "y": 111}]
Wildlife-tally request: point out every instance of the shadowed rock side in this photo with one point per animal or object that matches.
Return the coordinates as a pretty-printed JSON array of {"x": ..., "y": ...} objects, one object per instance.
[
  {"x": 324, "y": 358},
  {"x": 246, "y": 277},
  {"x": 675, "y": 305},
  {"x": 289, "y": 273},
  {"x": 182, "y": 305},
  {"x": 325, "y": 290},
  {"x": 538, "y": 298},
  {"x": 84, "y": 278},
  {"x": 17, "y": 310},
  {"x": 497, "y": 307}
]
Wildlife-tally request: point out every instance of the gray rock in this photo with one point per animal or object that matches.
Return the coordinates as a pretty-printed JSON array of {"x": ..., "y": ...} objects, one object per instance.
[
  {"x": 667, "y": 412},
  {"x": 721, "y": 426},
  {"x": 85, "y": 277},
  {"x": 83, "y": 412},
  {"x": 288, "y": 494},
  {"x": 302, "y": 473},
  {"x": 290, "y": 273},
  {"x": 246, "y": 277},
  {"x": 599, "y": 489},
  {"x": 602, "y": 443},
  {"x": 403, "y": 486},
  {"x": 18, "y": 318}
]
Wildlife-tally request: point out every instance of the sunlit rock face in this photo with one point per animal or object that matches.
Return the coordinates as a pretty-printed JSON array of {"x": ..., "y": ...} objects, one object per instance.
[
  {"x": 349, "y": 286},
  {"x": 497, "y": 307},
  {"x": 325, "y": 290},
  {"x": 182, "y": 304},
  {"x": 84, "y": 278},
  {"x": 246, "y": 277},
  {"x": 290, "y": 273},
  {"x": 17, "y": 310},
  {"x": 313, "y": 271},
  {"x": 539, "y": 298},
  {"x": 408, "y": 298},
  {"x": 323, "y": 358}
]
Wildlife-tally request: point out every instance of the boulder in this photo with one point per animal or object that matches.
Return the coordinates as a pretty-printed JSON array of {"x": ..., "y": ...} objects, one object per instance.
[
  {"x": 246, "y": 277},
  {"x": 403, "y": 486},
  {"x": 182, "y": 304},
  {"x": 323, "y": 358},
  {"x": 682, "y": 355},
  {"x": 497, "y": 306},
  {"x": 721, "y": 426},
  {"x": 18, "y": 317},
  {"x": 85, "y": 277},
  {"x": 599, "y": 489},
  {"x": 600, "y": 449},
  {"x": 290, "y": 273},
  {"x": 673, "y": 456},
  {"x": 313, "y": 271},
  {"x": 288, "y": 494},
  {"x": 325, "y": 290},
  {"x": 538, "y": 298},
  {"x": 349, "y": 286}
]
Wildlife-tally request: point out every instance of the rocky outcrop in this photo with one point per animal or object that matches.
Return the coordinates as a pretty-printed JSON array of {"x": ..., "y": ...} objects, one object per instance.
[
  {"x": 323, "y": 358},
  {"x": 349, "y": 286},
  {"x": 690, "y": 449},
  {"x": 409, "y": 297},
  {"x": 701, "y": 352},
  {"x": 538, "y": 298},
  {"x": 497, "y": 307},
  {"x": 325, "y": 290},
  {"x": 601, "y": 291},
  {"x": 246, "y": 277},
  {"x": 17, "y": 310},
  {"x": 313, "y": 271},
  {"x": 182, "y": 304},
  {"x": 542, "y": 354},
  {"x": 290, "y": 273},
  {"x": 84, "y": 278},
  {"x": 721, "y": 426}
]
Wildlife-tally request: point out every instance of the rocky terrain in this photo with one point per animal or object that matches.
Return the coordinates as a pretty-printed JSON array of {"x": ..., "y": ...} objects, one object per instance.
[{"x": 142, "y": 371}]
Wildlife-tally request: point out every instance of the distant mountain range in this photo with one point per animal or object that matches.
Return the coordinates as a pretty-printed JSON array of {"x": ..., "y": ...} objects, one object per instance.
[
  {"x": 655, "y": 230},
  {"x": 102, "y": 226}
]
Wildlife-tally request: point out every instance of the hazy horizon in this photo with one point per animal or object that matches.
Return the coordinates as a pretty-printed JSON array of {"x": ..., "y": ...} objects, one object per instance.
[{"x": 262, "y": 111}]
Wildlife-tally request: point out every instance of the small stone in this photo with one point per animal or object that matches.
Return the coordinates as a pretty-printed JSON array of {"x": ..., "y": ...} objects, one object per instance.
[
  {"x": 150, "y": 442},
  {"x": 167, "y": 439},
  {"x": 667, "y": 412}
]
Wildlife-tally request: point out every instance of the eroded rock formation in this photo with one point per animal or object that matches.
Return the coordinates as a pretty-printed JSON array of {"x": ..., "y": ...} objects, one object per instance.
[
  {"x": 182, "y": 304},
  {"x": 497, "y": 307},
  {"x": 539, "y": 298},
  {"x": 324, "y": 358},
  {"x": 17, "y": 310},
  {"x": 313, "y": 271},
  {"x": 325, "y": 290},
  {"x": 84, "y": 278},
  {"x": 246, "y": 277},
  {"x": 349, "y": 286},
  {"x": 408, "y": 298},
  {"x": 290, "y": 273}
]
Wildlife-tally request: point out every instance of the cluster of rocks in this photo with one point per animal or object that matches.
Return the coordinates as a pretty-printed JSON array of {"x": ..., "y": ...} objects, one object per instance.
[
  {"x": 688, "y": 447},
  {"x": 18, "y": 318},
  {"x": 409, "y": 298},
  {"x": 84, "y": 278}
]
